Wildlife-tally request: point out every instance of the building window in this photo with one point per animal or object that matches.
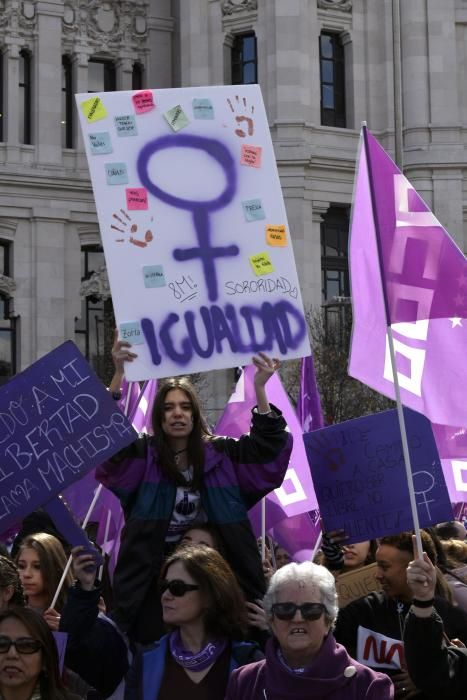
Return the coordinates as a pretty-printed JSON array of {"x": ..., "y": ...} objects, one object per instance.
[
  {"x": 89, "y": 328},
  {"x": 137, "y": 77},
  {"x": 331, "y": 56},
  {"x": 67, "y": 103},
  {"x": 244, "y": 60},
  {"x": 25, "y": 97},
  {"x": 7, "y": 322},
  {"x": 101, "y": 76},
  {"x": 335, "y": 272},
  {"x": 1, "y": 96}
]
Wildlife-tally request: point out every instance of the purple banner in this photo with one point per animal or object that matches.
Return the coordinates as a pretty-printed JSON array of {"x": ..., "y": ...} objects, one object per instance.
[
  {"x": 360, "y": 479},
  {"x": 57, "y": 421},
  {"x": 421, "y": 292}
]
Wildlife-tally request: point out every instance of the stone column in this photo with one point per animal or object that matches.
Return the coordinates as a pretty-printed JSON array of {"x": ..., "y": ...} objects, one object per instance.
[
  {"x": 314, "y": 254},
  {"x": 124, "y": 68},
  {"x": 194, "y": 43},
  {"x": 415, "y": 68},
  {"x": 11, "y": 104},
  {"x": 47, "y": 84}
]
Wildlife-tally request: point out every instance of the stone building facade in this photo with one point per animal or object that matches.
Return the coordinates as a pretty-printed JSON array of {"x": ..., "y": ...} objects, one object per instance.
[{"x": 323, "y": 66}]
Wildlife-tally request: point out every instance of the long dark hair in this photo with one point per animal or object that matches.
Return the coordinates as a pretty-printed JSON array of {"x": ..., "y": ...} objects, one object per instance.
[
  {"x": 200, "y": 432},
  {"x": 52, "y": 560},
  {"x": 51, "y": 685},
  {"x": 9, "y": 576},
  {"x": 225, "y": 614}
]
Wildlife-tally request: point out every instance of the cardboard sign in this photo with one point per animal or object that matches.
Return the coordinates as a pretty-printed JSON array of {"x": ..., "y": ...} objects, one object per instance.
[
  {"x": 57, "y": 422},
  {"x": 359, "y": 475},
  {"x": 192, "y": 191},
  {"x": 356, "y": 584}
]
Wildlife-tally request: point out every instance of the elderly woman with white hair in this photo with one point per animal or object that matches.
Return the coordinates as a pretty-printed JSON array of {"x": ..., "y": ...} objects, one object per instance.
[{"x": 303, "y": 660}]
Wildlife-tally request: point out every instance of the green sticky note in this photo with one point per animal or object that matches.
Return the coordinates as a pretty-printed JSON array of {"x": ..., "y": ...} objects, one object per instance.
[
  {"x": 261, "y": 264},
  {"x": 93, "y": 109},
  {"x": 177, "y": 118}
]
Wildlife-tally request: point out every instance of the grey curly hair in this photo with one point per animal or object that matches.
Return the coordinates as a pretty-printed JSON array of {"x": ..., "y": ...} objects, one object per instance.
[{"x": 308, "y": 573}]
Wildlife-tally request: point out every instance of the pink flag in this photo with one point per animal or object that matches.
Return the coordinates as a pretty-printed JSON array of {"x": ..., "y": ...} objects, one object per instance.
[
  {"x": 407, "y": 272},
  {"x": 297, "y": 494},
  {"x": 309, "y": 410}
]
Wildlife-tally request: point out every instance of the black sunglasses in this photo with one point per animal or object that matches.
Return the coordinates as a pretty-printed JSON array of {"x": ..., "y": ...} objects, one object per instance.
[
  {"x": 23, "y": 645},
  {"x": 287, "y": 611},
  {"x": 177, "y": 587}
]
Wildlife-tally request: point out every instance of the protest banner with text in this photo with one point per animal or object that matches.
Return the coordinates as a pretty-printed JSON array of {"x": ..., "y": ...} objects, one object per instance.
[
  {"x": 57, "y": 421},
  {"x": 359, "y": 475},
  {"x": 194, "y": 227}
]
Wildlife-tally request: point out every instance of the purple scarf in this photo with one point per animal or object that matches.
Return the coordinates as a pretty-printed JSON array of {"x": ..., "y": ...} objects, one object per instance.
[{"x": 199, "y": 661}]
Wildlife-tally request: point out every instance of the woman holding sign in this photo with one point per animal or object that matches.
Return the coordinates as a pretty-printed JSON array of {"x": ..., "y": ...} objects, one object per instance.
[{"x": 185, "y": 475}]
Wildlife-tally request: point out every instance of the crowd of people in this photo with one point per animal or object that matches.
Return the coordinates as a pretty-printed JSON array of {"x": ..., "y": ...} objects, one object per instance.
[{"x": 197, "y": 612}]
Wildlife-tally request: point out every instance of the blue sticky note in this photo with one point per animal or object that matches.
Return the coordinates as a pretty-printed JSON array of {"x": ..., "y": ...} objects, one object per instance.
[
  {"x": 132, "y": 333},
  {"x": 154, "y": 276},
  {"x": 125, "y": 125},
  {"x": 100, "y": 143},
  {"x": 253, "y": 210},
  {"x": 202, "y": 108},
  {"x": 116, "y": 173}
]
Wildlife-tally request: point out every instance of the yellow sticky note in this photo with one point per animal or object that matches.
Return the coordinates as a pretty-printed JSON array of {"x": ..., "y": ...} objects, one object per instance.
[
  {"x": 261, "y": 264},
  {"x": 93, "y": 109},
  {"x": 276, "y": 235}
]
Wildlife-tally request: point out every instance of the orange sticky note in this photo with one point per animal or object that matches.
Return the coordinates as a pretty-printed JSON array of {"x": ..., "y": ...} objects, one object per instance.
[
  {"x": 251, "y": 155},
  {"x": 261, "y": 264},
  {"x": 276, "y": 235},
  {"x": 94, "y": 109}
]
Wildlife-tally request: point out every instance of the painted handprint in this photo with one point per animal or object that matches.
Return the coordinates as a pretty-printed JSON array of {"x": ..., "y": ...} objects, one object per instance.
[
  {"x": 242, "y": 110},
  {"x": 126, "y": 226}
]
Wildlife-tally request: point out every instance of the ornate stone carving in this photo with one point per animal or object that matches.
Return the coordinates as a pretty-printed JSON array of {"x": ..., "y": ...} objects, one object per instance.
[
  {"x": 107, "y": 26},
  {"x": 230, "y": 7},
  {"x": 7, "y": 285},
  {"x": 344, "y": 5},
  {"x": 17, "y": 18},
  {"x": 97, "y": 285}
]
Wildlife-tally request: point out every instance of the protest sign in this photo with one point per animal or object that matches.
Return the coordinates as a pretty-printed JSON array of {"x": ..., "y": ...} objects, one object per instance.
[
  {"x": 356, "y": 584},
  {"x": 359, "y": 475},
  {"x": 57, "y": 421},
  {"x": 194, "y": 227}
]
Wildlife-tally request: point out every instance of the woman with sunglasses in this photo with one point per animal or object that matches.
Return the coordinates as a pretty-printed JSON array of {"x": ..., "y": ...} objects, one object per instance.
[
  {"x": 303, "y": 660},
  {"x": 203, "y": 607},
  {"x": 28, "y": 658}
]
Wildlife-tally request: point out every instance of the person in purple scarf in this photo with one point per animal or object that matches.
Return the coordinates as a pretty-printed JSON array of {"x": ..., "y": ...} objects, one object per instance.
[
  {"x": 203, "y": 606},
  {"x": 303, "y": 660}
]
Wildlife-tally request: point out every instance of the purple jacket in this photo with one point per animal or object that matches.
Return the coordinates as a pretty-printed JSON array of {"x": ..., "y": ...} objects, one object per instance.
[
  {"x": 334, "y": 675},
  {"x": 237, "y": 474}
]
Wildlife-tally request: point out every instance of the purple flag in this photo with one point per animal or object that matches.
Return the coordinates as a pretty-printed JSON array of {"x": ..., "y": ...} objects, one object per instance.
[
  {"x": 418, "y": 284},
  {"x": 309, "y": 410},
  {"x": 298, "y": 535},
  {"x": 297, "y": 494}
]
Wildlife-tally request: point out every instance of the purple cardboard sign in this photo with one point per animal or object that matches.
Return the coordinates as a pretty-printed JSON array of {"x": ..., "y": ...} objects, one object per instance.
[
  {"x": 359, "y": 475},
  {"x": 57, "y": 421},
  {"x": 61, "y": 639}
]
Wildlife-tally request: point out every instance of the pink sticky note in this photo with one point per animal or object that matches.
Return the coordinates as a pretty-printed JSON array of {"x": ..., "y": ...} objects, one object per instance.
[
  {"x": 136, "y": 198},
  {"x": 143, "y": 102},
  {"x": 251, "y": 155}
]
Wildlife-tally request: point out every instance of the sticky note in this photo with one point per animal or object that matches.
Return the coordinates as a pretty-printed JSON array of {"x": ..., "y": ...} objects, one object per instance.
[
  {"x": 253, "y": 210},
  {"x": 177, "y": 118},
  {"x": 126, "y": 125},
  {"x": 261, "y": 264},
  {"x": 143, "y": 101},
  {"x": 251, "y": 155},
  {"x": 116, "y": 173},
  {"x": 153, "y": 276},
  {"x": 93, "y": 109},
  {"x": 136, "y": 198},
  {"x": 131, "y": 332},
  {"x": 202, "y": 108},
  {"x": 100, "y": 143},
  {"x": 276, "y": 235}
]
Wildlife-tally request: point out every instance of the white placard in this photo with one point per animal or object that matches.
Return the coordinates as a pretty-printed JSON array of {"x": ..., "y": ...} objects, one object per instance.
[{"x": 193, "y": 223}]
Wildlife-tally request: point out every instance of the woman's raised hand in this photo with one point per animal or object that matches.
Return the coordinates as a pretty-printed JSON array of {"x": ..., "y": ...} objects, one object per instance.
[{"x": 121, "y": 354}]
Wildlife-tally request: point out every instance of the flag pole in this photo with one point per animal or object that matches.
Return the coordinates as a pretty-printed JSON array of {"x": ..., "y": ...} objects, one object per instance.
[
  {"x": 263, "y": 528},
  {"x": 400, "y": 411}
]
